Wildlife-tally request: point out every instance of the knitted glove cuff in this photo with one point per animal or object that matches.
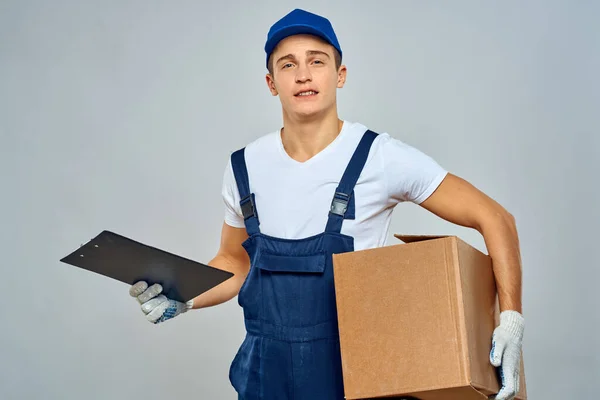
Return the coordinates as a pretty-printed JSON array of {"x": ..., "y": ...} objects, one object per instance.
[{"x": 513, "y": 322}]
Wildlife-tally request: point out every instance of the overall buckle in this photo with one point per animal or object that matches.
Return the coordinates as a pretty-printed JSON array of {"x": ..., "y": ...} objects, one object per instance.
[
  {"x": 248, "y": 208},
  {"x": 339, "y": 204}
]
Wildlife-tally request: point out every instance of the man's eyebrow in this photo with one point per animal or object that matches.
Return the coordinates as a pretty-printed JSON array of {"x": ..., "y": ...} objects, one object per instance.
[
  {"x": 286, "y": 57},
  {"x": 316, "y": 52},
  {"x": 308, "y": 53}
]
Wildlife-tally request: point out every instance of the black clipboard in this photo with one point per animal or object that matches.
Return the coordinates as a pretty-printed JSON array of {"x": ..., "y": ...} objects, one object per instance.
[{"x": 129, "y": 261}]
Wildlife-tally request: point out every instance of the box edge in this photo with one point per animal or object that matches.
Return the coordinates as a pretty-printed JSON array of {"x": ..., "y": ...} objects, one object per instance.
[{"x": 452, "y": 260}]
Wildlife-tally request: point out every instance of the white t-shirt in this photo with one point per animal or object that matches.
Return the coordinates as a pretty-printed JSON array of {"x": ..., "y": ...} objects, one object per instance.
[{"x": 293, "y": 198}]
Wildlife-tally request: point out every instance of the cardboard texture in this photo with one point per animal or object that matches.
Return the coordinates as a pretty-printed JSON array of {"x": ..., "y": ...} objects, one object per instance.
[{"x": 416, "y": 319}]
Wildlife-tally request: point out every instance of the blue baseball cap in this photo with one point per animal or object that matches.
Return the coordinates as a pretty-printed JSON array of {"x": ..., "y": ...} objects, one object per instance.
[{"x": 300, "y": 22}]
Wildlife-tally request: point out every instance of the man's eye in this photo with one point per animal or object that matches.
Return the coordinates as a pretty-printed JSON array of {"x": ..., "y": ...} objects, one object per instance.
[
  {"x": 318, "y": 61},
  {"x": 288, "y": 64}
]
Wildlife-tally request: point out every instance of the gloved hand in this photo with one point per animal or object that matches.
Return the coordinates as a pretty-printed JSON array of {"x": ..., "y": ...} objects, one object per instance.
[
  {"x": 157, "y": 307},
  {"x": 506, "y": 352}
]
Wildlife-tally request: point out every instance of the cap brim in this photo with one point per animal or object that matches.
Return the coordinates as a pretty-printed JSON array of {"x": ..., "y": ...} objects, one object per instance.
[{"x": 293, "y": 30}]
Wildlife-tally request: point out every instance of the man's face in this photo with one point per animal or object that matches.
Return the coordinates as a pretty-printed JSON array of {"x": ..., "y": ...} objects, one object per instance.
[{"x": 305, "y": 76}]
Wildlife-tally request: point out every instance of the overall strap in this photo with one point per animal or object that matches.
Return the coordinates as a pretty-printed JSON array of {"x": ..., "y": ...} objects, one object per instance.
[
  {"x": 247, "y": 203},
  {"x": 345, "y": 189}
]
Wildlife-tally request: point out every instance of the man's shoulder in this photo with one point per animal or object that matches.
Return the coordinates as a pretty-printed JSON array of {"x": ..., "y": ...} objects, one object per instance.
[
  {"x": 394, "y": 146},
  {"x": 261, "y": 142},
  {"x": 387, "y": 138},
  {"x": 360, "y": 128}
]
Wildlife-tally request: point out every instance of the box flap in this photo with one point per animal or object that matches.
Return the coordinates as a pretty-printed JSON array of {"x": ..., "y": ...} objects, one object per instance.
[{"x": 418, "y": 238}]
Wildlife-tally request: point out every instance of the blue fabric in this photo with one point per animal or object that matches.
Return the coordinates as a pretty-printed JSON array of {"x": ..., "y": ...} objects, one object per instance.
[
  {"x": 300, "y": 263},
  {"x": 238, "y": 164},
  {"x": 350, "y": 177},
  {"x": 291, "y": 347},
  {"x": 298, "y": 22}
]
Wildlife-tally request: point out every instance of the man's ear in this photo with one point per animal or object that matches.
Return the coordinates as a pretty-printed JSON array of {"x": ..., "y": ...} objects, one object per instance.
[
  {"x": 342, "y": 76},
  {"x": 271, "y": 84}
]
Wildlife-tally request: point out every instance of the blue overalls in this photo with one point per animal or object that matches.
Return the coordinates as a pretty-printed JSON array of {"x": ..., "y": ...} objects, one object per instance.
[{"x": 291, "y": 348}]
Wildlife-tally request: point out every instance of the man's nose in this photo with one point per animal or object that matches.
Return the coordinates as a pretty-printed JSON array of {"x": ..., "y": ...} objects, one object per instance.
[{"x": 303, "y": 73}]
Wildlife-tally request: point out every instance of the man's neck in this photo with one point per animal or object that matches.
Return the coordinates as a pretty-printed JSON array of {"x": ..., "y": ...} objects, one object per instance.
[{"x": 303, "y": 139}]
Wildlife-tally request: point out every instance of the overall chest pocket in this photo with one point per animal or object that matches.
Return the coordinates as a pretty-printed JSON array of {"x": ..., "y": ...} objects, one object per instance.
[
  {"x": 296, "y": 290},
  {"x": 304, "y": 264}
]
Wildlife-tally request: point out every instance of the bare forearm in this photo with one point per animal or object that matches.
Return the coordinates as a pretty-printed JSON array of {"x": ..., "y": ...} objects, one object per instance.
[
  {"x": 226, "y": 290},
  {"x": 502, "y": 242}
]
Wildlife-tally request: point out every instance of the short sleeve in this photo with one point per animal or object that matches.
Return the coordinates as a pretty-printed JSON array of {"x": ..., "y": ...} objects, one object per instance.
[
  {"x": 231, "y": 197},
  {"x": 410, "y": 174}
]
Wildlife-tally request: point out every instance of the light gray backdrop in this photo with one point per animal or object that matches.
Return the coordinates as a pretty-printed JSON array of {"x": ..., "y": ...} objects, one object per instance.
[{"x": 121, "y": 115}]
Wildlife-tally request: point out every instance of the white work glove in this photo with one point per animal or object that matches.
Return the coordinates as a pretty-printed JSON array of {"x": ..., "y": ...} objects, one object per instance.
[
  {"x": 157, "y": 307},
  {"x": 506, "y": 352}
]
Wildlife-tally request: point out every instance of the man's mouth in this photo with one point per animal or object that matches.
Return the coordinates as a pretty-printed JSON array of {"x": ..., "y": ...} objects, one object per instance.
[{"x": 306, "y": 93}]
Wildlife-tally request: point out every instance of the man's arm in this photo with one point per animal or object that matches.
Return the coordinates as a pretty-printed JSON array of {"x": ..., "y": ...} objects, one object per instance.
[
  {"x": 231, "y": 257},
  {"x": 459, "y": 202}
]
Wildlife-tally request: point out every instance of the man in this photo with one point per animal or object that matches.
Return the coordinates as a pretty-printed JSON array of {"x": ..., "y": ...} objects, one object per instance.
[{"x": 322, "y": 185}]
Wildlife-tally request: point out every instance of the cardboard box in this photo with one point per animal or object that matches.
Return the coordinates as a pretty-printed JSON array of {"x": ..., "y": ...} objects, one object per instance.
[{"x": 416, "y": 319}]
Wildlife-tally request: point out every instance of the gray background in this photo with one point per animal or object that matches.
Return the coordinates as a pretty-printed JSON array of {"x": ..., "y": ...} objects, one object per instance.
[{"x": 122, "y": 115}]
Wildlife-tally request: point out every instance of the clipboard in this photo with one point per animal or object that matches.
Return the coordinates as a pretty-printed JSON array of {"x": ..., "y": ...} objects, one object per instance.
[{"x": 129, "y": 261}]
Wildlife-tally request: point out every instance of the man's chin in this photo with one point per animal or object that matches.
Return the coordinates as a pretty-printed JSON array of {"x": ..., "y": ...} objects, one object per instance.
[{"x": 309, "y": 112}]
